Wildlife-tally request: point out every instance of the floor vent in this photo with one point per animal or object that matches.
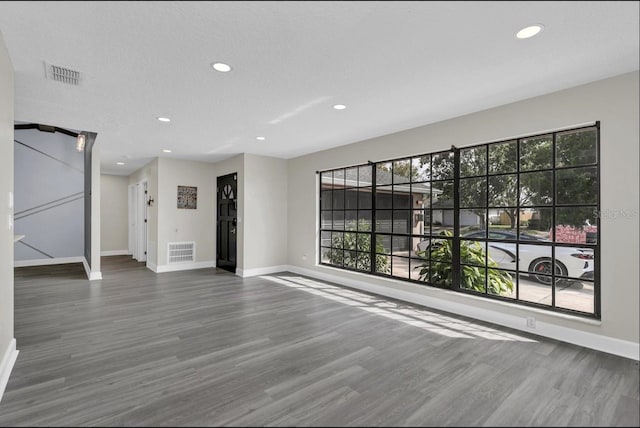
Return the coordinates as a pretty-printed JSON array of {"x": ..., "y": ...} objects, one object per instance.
[{"x": 181, "y": 252}]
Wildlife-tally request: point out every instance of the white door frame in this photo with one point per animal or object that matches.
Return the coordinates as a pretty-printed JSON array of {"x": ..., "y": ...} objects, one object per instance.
[
  {"x": 141, "y": 220},
  {"x": 132, "y": 221},
  {"x": 138, "y": 227}
]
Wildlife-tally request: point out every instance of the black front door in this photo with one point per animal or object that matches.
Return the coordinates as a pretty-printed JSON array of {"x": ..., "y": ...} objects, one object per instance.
[{"x": 227, "y": 222}]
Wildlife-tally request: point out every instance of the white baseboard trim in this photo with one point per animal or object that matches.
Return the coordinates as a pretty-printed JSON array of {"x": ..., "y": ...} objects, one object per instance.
[
  {"x": 246, "y": 273},
  {"x": 181, "y": 266},
  {"x": 91, "y": 275},
  {"x": 6, "y": 365},
  {"x": 152, "y": 266},
  {"x": 46, "y": 262},
  {"x": 598, "y": 342},
  {"x": 115, "y": 253}
]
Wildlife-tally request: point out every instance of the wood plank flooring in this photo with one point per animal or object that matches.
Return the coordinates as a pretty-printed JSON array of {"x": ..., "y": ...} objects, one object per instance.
[{"x": 207, "y": 348}]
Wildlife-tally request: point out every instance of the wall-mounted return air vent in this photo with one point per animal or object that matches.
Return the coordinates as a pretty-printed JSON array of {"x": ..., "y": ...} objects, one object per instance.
[
  {"x": 62, "y": 74},
  {"x": 181, "y": 252}
]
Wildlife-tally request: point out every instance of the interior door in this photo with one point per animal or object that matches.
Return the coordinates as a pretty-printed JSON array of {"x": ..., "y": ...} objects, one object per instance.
[
  {"x": 145, "y": 224},
  {"x": 140, "y": 253},
  {"x": 227, "y": 204},
  {"x": 132, "y": 221}
]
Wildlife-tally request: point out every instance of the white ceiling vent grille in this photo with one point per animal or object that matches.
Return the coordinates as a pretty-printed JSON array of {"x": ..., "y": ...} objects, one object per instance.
[
  {"x": 62, "y": 74},
  {"x": 181, "y": 252}
]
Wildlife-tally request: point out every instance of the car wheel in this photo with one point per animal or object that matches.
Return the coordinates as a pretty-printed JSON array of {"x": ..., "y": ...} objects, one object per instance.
[{"x": 541, "y": 271}]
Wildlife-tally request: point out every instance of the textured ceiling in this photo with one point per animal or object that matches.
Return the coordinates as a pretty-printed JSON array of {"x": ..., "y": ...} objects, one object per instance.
[{"x": 396, "y": 65}]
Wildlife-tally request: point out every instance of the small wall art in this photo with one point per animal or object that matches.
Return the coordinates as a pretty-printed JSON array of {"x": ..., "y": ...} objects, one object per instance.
[{"x": 187, "y": 197}]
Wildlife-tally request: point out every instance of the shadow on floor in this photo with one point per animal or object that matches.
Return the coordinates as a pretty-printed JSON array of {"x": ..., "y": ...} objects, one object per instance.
[
  {"x": 109, "y": 265},
  {"x": 63, "y": 271},
  {"x": 114, "y": 264}
]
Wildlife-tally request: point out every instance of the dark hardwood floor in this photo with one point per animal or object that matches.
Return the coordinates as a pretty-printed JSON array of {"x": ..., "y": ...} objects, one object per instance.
[{"x": 207, "y": 348}]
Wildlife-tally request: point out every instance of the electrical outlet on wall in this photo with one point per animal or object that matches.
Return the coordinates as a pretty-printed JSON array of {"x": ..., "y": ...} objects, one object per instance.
[{"x": 531, "y": 322}]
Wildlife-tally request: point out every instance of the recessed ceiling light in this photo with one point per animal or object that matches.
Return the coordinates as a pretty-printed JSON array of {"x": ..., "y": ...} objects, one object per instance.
[
  {"x": 339, "y": 106},
  {"x": 221, "y": 67},
  {"x": 260, "y": 138},
  {"x": 530, "y": 31},
  {"x": 166, "y": 150},
  {"x": 119, "y": 163},
  {"x": 164, "y": 119}
]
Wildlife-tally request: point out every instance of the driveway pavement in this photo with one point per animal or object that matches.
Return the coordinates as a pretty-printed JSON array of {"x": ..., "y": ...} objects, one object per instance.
[{"x": 577, "y": 296}]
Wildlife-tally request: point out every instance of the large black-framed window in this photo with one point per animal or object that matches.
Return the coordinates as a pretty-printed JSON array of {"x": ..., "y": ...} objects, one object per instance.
[{"x": 514, "y": 220}]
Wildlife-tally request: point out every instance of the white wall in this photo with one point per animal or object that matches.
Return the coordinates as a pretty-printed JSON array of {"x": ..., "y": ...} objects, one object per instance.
[
  {"x": 114, "y": 205},
  {"x": 49, "y": 195},
  {"x": 265, "y": 212},
  {"x": 262, "y": 210},
  {"x": 7, "y": 342},
  {"x": 230, "y": 166},
  {"x": 93, "y": 270},
  {"x": 612, "y": 101},
  {"x": 180, "y": 225}
]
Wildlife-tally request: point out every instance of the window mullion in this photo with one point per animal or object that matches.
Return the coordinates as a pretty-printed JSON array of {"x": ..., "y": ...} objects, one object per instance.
[
  {"x": 374, "y": 238},
  {"x": 596, "y": 278},
  {"x": 518, "y": 202},
  {"x": 455, "y": 262},
  {"x": 554, "y": 197}
]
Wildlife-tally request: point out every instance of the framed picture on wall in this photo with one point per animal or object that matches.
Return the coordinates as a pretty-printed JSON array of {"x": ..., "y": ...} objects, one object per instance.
[{"x": 187, "y": 197}]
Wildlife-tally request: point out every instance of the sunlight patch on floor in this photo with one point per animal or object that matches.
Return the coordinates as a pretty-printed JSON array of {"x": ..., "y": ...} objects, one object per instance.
[{"x": 420, "y": 318}]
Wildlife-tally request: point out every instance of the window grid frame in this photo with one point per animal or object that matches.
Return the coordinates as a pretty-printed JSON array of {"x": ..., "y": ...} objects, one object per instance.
[{"x": 455, "y": 262}]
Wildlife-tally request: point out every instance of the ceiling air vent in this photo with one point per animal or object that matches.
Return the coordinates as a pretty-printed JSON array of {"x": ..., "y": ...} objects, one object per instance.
[{"x": 62, "y": 74}]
